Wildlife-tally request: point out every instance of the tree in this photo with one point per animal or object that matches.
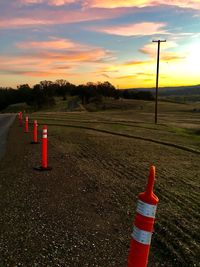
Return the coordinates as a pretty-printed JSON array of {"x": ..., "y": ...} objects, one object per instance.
[
  {"x": 106, "y": 89},
  {"x": 42, "y": 95},
  {"x": 63, "y": 88},
  {"x": 142, "y": 95},
  {"x": 24, "y": 93}
]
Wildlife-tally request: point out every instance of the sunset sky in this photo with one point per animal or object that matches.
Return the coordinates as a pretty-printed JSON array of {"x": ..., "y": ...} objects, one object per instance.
[{"x": 99, "y": 40}]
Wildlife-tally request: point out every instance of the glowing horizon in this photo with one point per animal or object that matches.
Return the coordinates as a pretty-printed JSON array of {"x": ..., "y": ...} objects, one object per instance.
[{"x": 99, "y": 40}]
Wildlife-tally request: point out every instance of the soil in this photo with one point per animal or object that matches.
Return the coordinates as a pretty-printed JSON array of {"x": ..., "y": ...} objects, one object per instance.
[{"x": 81, "y": 212}]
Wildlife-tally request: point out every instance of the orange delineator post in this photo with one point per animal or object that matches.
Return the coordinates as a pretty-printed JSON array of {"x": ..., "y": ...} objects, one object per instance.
[
  {"x": 26, "y": 125},
  {"x": 44, "y": 147},
  {"x": 44, "y": 166},
  {"x": 143, "y": 225},
  {"x": 20, "y": 118},
  {"x": 35, "y": 133},
  {"x": 35, "y": 126}
]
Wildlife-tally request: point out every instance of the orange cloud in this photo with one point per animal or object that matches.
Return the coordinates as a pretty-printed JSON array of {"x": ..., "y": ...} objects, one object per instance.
[
  {"x": 35, "y": 66},
  {"x": 116, "y": 3},
  {"x": 151, "y": 50},
  {"x": 128, "y": 68},
  {"x": 126, "y": 77},
  {"x": 92, "y": 55},
  {"x": 53, "y": 57},
  {"x": 133, "y": 63},
  {"x": 138, "y": 29},
  {"x": 172, "y": 56},
  {"x": 142, "y": 3},
  {"x": 54, "y": 44},
  {"x": 64, "y": 50}
]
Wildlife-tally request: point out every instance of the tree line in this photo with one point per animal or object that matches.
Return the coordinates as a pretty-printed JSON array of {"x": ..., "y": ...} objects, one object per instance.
[{"x": 43, "y": 94}]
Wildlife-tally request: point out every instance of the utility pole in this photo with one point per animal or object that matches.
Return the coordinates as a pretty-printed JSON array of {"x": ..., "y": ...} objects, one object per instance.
[{"x": 157, "y": 77}]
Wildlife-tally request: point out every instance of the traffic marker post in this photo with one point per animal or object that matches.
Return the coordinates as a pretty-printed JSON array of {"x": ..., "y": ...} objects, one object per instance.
[
  {"x": 20, "y": 118},
  {"x": 35, "y": 132},
  {"x": 44, "y": 166},
  {"x": 143, "y": 225},
  {"x": 26, "y": 125},
  {"x": 18, "y": 114}
]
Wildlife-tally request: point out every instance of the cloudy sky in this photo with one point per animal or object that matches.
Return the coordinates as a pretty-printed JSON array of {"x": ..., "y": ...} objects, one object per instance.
[{"x": 99, "y": 40}]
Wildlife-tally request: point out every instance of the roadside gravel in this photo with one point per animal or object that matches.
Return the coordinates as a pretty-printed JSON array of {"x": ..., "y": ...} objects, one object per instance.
[{"x": 57, "y": 218}]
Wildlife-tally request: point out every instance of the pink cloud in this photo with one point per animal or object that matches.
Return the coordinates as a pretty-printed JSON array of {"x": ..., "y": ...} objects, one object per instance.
[
  {"x": 140, "y": 29},
  {"x": 60, "y": 2},
  {"x": 44, "y": 17},
  {"x": 21, "y": 22},
  {"x": 49, "y": 2},
  {"x": 29, "y": 2}
]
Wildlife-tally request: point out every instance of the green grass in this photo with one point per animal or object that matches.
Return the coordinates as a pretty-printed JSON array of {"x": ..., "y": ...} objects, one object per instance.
[
  {"x": 63, "y": 105},
  {"x": 18, "y": 107}
]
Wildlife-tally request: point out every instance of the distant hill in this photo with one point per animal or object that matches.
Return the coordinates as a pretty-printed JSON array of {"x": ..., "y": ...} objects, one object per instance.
[{"x": 173, "y": 91}]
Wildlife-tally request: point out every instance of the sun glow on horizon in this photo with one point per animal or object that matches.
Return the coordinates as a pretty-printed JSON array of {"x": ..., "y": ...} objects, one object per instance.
[{"x": 90, "y": 41}]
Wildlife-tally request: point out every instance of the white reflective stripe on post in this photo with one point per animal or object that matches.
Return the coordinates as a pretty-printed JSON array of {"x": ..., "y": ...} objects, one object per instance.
[
  {"x": 44, "y": 136},
  {"x": 141, "y": 236},
  {"x": 44, "y": 130},
  {"x": 146, "y": 209},
  {"x": 26, "y": 118}
]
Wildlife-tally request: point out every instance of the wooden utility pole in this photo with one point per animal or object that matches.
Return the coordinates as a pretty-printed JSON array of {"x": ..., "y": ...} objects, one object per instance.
[{"x": 157, "y": 77}]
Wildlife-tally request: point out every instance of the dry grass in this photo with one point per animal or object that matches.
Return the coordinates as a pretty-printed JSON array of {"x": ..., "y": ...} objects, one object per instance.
[{"x": 119, "y": 166}]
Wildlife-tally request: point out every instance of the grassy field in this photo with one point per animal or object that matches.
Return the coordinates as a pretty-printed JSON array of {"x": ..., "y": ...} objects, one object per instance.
[{"x": 112, "y": 151}]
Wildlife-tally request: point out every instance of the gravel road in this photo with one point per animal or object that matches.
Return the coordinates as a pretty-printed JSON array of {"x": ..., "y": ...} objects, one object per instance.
[{"x": 6, "y": 121}]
